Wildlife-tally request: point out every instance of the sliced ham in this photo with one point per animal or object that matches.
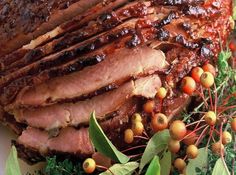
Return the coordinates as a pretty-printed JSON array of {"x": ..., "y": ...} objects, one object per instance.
[
  {"x": 27, "y": 23},
  {"x": 69, "y": 140},
  {"x": 74, "y": 114},
  {"x": 116, "y": 68},
  {"x": 77, "y": 140}
]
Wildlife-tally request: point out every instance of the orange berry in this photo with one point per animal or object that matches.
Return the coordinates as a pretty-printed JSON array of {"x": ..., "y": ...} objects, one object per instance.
[
  {"x": 136, "y": 118},
  {"x": 173, "y": 145},
  {"x": 159, "y": 122},
  {"x": 217, "y": 147},
  {"x": 179, "y": 164},
  {"x": 128, "y": 136},
  {"x": 89, "y": 166},
  {"x": 190, "y": 138},
  {"x": 196, "y": 73},
  {"x": 138, "y": 128},
  {"x": 232, "y": 46},
  {"x": 233, "y": 124},
  {"x": 149, "y": 106},
  {"x": 178, "y": 130},
  {"x": 207, "y": 79},
  {"x": 192, "y": 151},
  {"x": 210, "y": 117},
  {"x": 161, "y": 93},
  {"x": 209, "y": 68},
  {"x": 226, "y": 137},
  {"x": 188, "y": 85}
]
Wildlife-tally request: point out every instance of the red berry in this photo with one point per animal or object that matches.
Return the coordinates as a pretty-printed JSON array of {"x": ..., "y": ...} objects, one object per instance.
[
  {"x": 159, "y": 122},
  {"x": 191, "y": 137},
  {"x": 173, "y": 145},
  {"x": 207, "y": 79},
  {"x": 149, "y": 106},
  {"x": 233, "y": 124},
  {"x": 178, "y": 130},
  {"x": 196, "y": 73},
  {"x": 232, "y": 46},
  {"x": 226, "y": 137},
  {"x": 179, "y": 164},
  {"x": 210, "y": 118},
  {"x": 188, "y": 85},
  {"x": 89, "y": 166},
  {"x": 209, "y": 68},
  {"x": 192, "y": 151}
]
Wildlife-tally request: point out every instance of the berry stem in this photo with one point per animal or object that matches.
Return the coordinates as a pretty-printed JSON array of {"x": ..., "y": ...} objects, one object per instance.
[
  {"x": 216, "y": 98},
  {"x": 193, "y": 123},
  {"x": 141, "y": 137},
  {"x": 225, "y": 101},
  {"x": 211, "y": 101},
  {"x": 145, "y": 133},
  {"x": 227, "y": 108},
  {"x": 136, "y": 155},
  {"x": 195, "y": 130},
  {"x": 202, "y": 96},
  {"x": 199, "y": 121},
  {"x": 133, "y": 148},
  {"x": 210, "y": 136},
  {"x": 185, "y": 157},
  {"x": 201, "y": 135},
  {"x": 104, "y": 168}
]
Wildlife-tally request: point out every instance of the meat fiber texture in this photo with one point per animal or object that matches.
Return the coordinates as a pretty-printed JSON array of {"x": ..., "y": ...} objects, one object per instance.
[{"x": 62, "y": 60}]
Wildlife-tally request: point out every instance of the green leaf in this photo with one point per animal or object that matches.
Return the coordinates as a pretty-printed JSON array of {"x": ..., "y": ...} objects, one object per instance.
[
  {"x": 220, "y": 169},
  {"x": 122, "y": 169},
  {"x": 165, "y": 163},
  {"x": 12, "y": 164},
  {"x": 200, "y": 162},
  {"x": 234, "y": 13},
  {"x": 156, "y": 144},
  {"x": 154, "y": 167},
  {"x": 102, "y": 143}
]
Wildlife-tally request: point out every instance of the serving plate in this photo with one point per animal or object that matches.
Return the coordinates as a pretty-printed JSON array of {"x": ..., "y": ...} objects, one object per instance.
[{"x": 5, "y": 144}]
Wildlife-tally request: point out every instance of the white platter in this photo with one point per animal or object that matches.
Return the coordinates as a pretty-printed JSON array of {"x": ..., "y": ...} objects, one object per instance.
[{"x": 5, "y": 144}]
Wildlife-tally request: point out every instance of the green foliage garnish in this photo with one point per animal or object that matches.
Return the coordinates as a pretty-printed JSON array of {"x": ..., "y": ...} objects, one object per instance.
[
  {"x": 165, "y": 163},
  {"x": 66, "y": 167},
  {"x": 156, "y": 145},
  {"x": 154, "y": 168},
  {"x": 122, "y": 169},
  {"x": 219, "y": 168},
  {"x": 102, "y": 143},
  {"x": 12, "y": 164}
]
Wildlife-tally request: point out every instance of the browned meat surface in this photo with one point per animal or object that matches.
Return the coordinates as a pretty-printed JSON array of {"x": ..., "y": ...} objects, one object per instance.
[
  {"x": 103, "y": 56},
  {"x": 115, "y": 69},
  {"x": 22, "y": 21}
]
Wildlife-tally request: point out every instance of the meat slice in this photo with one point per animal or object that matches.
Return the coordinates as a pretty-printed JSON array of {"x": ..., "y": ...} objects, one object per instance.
[
  {"x": 63, "y": 30},
  {"x": 115, "y": 69},
  {"x": 21, "y": 22},
  {"x": 28, "y": 146},
  {"x": 74, "y": 114},
  {"x": 104, "y": 22},
  {"x": 77, "y": 141}
]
